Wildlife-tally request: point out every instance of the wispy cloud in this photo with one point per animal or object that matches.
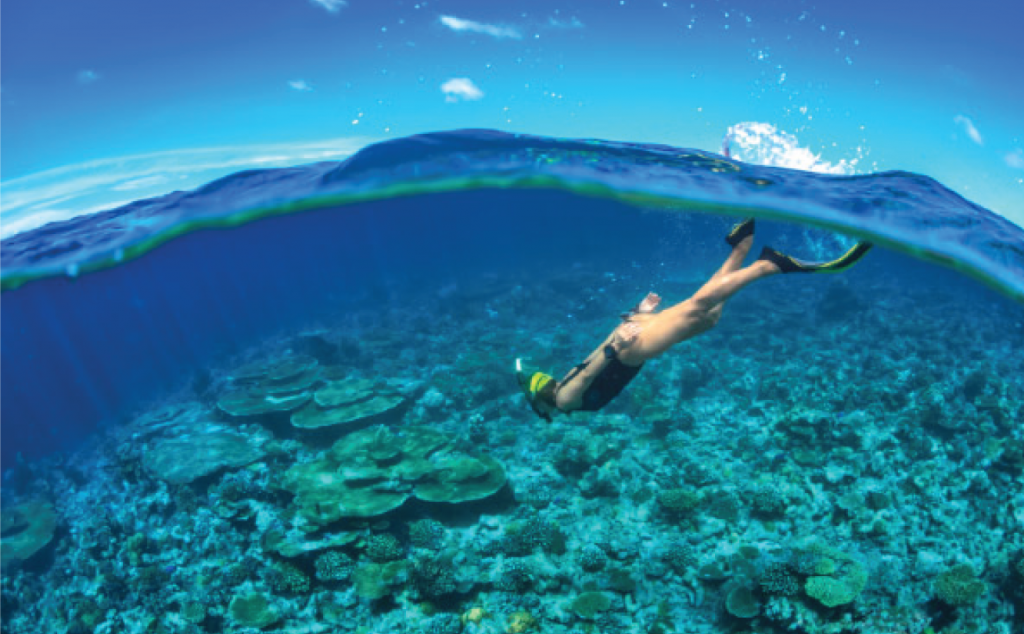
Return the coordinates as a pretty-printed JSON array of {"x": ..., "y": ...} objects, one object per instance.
[
  {"x": 459, "y": 24},
  {"x": 462, "y": 88},
  {"x": 87, "y": 76},
  {"x": 300, "y": 85},
  {"x": 571, "y": 23},
  {"x": 1015, "y": 159},
  {"x": 140, "y": 183},
  {"x": 969, "y": 128},
  {"x": 65, "y": 192},
  {"x": 333, "y": 6}
]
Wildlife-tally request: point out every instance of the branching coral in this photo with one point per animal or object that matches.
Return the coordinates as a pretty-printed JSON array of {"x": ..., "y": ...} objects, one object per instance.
[{"x": 333, "y": 565}]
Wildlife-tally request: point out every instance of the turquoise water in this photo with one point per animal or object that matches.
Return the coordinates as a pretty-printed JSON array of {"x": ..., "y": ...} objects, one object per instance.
[
  {"x": 909, "y": 212},
  {"x": 285, "y": 402}
]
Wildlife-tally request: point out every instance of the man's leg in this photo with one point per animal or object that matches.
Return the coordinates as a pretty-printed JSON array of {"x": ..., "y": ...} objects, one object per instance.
[
  {"x": 735, "y": 260},
  {"x": 733, "y": 263},
  {"x": 694, "y": 316},
  {"x": 721, "y": 287}
]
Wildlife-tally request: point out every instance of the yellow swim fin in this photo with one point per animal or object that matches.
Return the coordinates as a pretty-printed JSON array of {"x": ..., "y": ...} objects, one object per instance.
[{"x": 789, "y": 264}]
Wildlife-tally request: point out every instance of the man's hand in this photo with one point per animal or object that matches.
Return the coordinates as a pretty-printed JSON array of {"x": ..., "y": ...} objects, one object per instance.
[{"x": 649, "y": 303}]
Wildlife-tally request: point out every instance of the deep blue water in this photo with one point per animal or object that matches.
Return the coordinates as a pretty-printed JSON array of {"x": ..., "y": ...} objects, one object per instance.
[{"x": 88, "y": 350}]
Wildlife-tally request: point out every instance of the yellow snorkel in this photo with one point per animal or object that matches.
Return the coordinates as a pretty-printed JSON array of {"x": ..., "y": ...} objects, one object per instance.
[{"x": 531, "y": 384}]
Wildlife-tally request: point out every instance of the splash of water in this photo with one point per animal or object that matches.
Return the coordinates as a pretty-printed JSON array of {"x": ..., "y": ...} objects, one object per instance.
[{"x": 764, "y": 144}]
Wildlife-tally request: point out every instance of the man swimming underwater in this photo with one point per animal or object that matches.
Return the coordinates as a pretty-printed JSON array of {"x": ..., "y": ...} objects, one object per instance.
[{"x": 645, "y": 334}]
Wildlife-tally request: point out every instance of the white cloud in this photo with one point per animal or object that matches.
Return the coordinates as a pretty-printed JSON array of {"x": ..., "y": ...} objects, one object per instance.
[
  {"x": 969, "y": 128},
  {"x": 1015, "y": 159},
  {"x": 463, "y": 88},
  {"x": 333, "y": 6},
  {"x": 300, "y": 85},
  {"x": 65, "y": 192},
  {"x": 458, "y": 24},
  {"x": 87, "y": 76}
]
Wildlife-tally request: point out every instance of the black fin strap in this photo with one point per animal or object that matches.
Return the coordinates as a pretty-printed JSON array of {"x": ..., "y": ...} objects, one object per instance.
[{"x": 572, "y": 374}]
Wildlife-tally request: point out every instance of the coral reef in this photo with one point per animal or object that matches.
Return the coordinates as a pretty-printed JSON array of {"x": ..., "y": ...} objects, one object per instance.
[{"x": 771, "y": 479}]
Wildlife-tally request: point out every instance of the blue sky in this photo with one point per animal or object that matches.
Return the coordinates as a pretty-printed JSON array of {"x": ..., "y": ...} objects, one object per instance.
[{"x": 107, "y": 101}]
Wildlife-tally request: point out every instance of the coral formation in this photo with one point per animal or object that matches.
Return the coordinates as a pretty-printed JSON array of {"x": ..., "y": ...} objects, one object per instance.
[
  {"x": 285, "y": 578},
  {"x": 741, "y": 603},
  {"x": 779, "y": 579},
  {"x": 680, "y": 556},
  {"x": 346, "y": 402},
  {"x": 434, "y": 578},
  {"x": 252, "y": 610},
  {"x": 205, "y": 449},
  {"x": 333, "y": 565},
  {"x": 592, "y": 558},
  {"x": 590, "y": 604},
  {"x": 426, "y": 533},
  {"x": 383, "y": 548},
  {"x": 836, "y": 578},
  {"x": 375, "y": 581},
  {"x": 959, "y": 585},
  {"x": 27, "y": 529},
  {"x": 373, "y": 471},
  {"x": 679, "y": 502},
  {"x": 275, "y": 385}
]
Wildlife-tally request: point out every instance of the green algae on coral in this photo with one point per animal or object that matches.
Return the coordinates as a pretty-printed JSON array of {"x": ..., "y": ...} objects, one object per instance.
[
  {"x": 278, "y": 385},
  {"x": 959, "y": 585},
  {"x": 463, "y": 479},
  {"x": 201, "y": 451},
  {"x": 589, "y": 604},
  {"x": 344, "y": 392},
  {"x": 252, "y": 610},
  {"x": 26, "y": 528},
  {"x": 373, "y": 471},
  {"x": 254, "y": 402},
  {"x": 375, "y": 581},
  {"x": 295, "y": 542},
  {"x": 837, "y": 577},
  {"x": 313, "y": 415},
  {"x": 741, "y": 603},
  {"x": 273, "y": 370},
  {"x": 679, "y": 501}
]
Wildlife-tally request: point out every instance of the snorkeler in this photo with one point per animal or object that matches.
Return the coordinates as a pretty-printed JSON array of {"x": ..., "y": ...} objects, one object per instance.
[{"x": 645, "y": 333}]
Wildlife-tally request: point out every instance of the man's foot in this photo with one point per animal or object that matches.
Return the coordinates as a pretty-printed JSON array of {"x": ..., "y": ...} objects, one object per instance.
[
  {"x": 789, "y": 264},
  {"x": 740, "y": 231}
]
